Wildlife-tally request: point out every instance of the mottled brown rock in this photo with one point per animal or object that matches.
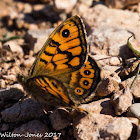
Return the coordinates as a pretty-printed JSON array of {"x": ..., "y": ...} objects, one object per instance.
[
  {"x": 15, "y": 46},
  {"x": 2, "y": 83},
  {"x": 19, "y": 6},
  {"x": 121, "y": 100},
  {"x": 135, "y": 87},
  {"x": 138, "y": 131},
  {"x": 13, "y": 93},
  {"x": 113, "y": 70},
  {"x": 60, "y": 119},
  {"x": 109, "y": 40},
  {"x": 4, "y": 10},
  {"x": 101, "y": 59},
  {"x": 99, "y": 126},
  {"x": 136, "y": 45},
  {"x": 38, "y": 7},
  {"x": 134, "y": 110},
  {"x": 37, "y": 38},
  {"x": 27, "y": 109},
  {"x": 33, "y": 130},
  {"x": 28, "y": 62},
  {"x": 108, "y": 84},
  {"x": 135, "y": 123},
  {"x": 95, "y": 18},
  {"x": 114, "y": 61},
  {"x": 102, "y": 106},
  {"x": 27, "y": 8},
  {"x": 10, "y": 77},
  {"x": 67, "y": 5},
  {"x": 134, "y": 120},
  {"x": 4, "y": 127},
  {"x": 43, "y": 1},
  {"x": 19, "y": 23},
  {"x": 81, "y": 7},
  {"x": 120, "y": 3},
  {"x": 130, "y": 69}
]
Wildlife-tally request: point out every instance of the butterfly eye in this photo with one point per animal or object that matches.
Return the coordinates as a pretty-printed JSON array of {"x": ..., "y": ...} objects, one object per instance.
[
  {"x": 65, "y": 33},
  {"x": 85, "y": 82},
  {"x": 87, "y": 72}
]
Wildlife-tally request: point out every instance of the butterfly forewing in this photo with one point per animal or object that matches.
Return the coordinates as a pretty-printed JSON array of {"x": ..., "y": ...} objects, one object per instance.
[{"x": 64, "y": 51}]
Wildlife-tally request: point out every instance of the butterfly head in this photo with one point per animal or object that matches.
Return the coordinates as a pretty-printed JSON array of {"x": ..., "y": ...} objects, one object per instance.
[{"x": 22, "y": 79}]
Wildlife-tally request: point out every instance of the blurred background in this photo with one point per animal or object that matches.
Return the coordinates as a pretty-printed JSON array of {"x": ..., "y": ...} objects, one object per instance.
[{"x": 19, "y": 16}]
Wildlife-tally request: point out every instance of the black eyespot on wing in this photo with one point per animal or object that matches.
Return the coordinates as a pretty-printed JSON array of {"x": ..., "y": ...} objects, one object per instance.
[
  {"x": 78, "y": 90},
  {"x": 87, "y": 72},
  {"x": 65, "y": 33},
  {"x": 85, "y": 82}
]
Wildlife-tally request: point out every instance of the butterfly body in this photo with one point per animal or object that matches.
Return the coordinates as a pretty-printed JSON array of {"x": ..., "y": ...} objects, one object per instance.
[{"x": 64, "y": 74}]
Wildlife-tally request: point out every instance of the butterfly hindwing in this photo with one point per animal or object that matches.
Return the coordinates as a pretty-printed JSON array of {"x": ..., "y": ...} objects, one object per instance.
[
  {"x": 48, "y": 90},
  {"x": 64, "y": 51},
  {"x": 84, "y": 81}
]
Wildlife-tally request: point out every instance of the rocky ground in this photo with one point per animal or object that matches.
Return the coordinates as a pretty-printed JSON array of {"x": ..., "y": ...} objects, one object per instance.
[{"x": 115, "y": 115}]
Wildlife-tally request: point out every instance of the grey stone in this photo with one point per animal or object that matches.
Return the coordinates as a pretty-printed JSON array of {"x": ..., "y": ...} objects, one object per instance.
[
  {"x": 37, "y": 38},
  {"x": 14, "y": 92},
  {"x": 135, "y": 90},
  {"x": 122, "y": 100},
  {"x": 102, "y": 106},
  {"x": 67, "y": 5},
  {"x": 27, "y": 109},
  {"x": 134, "y": 110},
  {"x": 99, "y": 126},
  {"x": 33, "y": 130},
  {"x": 114, "y": 18},
  {"x": 109, "y": 40},
  {"x": 60, "y": 119}
]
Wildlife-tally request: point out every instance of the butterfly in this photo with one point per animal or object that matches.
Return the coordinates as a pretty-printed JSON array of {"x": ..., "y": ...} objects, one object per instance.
[{"x": 63, "y": 74}]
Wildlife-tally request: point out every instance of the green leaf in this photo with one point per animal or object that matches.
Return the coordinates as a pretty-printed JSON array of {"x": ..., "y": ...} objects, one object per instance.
[
  {"x": 130, "y": 46},
  {"x": 8, "y": 38}
]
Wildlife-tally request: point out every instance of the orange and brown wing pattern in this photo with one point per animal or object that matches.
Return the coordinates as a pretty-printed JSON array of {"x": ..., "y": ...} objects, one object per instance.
[
  {"x": 51, "y": 90},
  {"x": 71, "y": 89},
  {"x": 63, "y": 73},
  {"x": 84, "y": 81},
  {"x": 64, "y": 51}
]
